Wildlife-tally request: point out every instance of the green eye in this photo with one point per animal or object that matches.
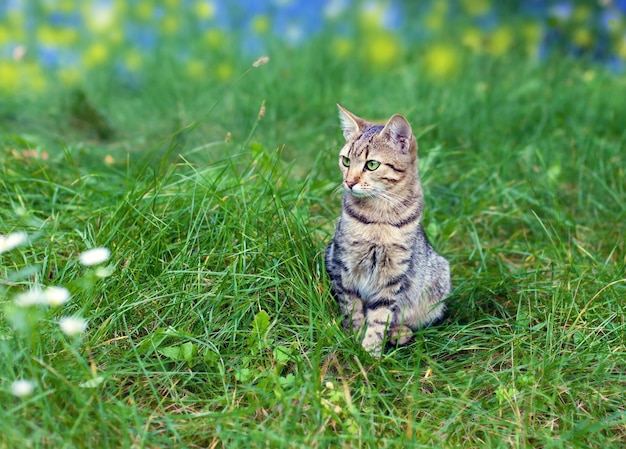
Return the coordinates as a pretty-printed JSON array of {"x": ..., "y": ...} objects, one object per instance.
[
  {"x": 372, "y": 165},
  {"x": 345, "y": 161}
]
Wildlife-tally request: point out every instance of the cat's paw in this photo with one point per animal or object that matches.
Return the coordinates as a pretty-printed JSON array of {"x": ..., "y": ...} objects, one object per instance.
[
  {"x": 400, "y": 335},
  {"x": 373, "y": 344}
]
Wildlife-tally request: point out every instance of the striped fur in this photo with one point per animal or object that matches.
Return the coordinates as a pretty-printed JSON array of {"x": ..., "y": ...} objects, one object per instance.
[{"x": 386, "y": 277}]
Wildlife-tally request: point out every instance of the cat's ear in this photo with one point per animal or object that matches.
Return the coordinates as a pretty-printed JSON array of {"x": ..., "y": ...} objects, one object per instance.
[
  {"x": 350, "y": 123},
  {"x": 399, "y": 132}
]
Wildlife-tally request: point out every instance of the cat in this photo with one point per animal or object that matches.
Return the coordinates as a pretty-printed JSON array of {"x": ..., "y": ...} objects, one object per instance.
[{"x": 385, "y": 275}]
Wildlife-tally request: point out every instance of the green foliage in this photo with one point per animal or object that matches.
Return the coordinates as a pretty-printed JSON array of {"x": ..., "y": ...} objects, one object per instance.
[{"x": 213, "y": 325}]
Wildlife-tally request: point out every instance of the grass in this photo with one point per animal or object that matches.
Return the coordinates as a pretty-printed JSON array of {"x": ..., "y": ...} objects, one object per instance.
[{"x": 217, "y": 328}]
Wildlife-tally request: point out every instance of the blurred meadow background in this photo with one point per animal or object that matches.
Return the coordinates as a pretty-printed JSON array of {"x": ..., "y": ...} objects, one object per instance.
[{"x": 168, "y": 183}]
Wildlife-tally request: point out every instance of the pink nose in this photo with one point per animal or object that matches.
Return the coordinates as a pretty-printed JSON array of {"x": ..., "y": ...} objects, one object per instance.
[{"x": 350, "y": 184}]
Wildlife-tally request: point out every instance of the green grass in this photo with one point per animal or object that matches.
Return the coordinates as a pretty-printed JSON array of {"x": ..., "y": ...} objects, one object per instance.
[{"x": 217, "y": 328}]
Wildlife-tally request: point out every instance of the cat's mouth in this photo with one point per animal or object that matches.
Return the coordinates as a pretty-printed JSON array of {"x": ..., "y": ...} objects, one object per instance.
[{"x": 360, "y": 193}]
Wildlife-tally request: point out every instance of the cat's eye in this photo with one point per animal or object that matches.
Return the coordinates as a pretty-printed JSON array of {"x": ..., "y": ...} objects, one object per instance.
[
  {"x": 345, "y": 161},
  {"x": 372, "y": 165}
]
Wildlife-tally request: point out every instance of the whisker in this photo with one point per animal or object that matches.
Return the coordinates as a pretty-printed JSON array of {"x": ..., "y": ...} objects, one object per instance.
[
  {"x": 394, "y": 196},
  {"x": 337, "y": 190},
  {"x": 393, "y": 200}
]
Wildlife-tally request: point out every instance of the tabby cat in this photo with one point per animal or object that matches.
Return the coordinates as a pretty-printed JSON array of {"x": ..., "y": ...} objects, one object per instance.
[{"x": 386, "y": 277}]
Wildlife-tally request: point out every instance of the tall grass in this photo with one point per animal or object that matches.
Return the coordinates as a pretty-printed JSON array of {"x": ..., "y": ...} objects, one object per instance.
[{"x": 216, "y": 327}]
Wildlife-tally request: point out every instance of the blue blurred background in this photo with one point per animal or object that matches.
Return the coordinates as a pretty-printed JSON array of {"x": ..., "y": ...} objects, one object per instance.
[{"x": 62, "y": 42}]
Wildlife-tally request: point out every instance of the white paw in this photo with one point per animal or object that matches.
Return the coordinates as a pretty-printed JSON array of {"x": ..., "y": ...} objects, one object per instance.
[{"x": 373, "y": 344}]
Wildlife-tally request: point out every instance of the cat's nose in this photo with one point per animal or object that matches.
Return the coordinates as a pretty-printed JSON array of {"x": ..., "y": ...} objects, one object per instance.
[{"x": 350, "y": 183}]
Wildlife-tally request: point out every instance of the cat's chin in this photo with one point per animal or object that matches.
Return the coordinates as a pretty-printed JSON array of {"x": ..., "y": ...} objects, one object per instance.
[{"x": 358, "y": 194}]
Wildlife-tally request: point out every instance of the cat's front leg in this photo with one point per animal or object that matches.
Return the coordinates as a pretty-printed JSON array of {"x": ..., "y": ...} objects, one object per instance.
[
  {"x": 352, "y": 310},
  {"x": 378, "y": 321}
]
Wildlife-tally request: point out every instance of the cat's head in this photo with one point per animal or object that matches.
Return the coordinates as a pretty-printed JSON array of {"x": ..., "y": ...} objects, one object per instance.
[{"x": 377, "y": 160}]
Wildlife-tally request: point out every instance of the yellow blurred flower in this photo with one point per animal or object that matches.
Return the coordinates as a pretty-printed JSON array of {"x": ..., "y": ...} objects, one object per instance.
[
  {"x": 68, "y": 75},
  {"x": 621, "y": 48},
  {"x": 95, "y": 54},
  {"x": 441, "y": 61},
  {"x": 170, "y": 24},
  {"x": 501, "y": 40},
  {"x": 588, "y": 76},
  {"x": 214, "y": 38},
  {"x": 224, "y": 71},
  {"x": 473, "y": 39},
  {"x": 382, "y": 49},
  {"x": 5, "y": 35},
  {"x": 144, "y": 10},
  {"x": 49, "y": 35},
  {"x": 46, "y": 35},
  {"x": 583, "y": 37},
  {"x": 204, "y": 9},
  {"x": 532, "y": 35},
  {"x": 9, "y": 76},
  {"x": 196, "y": 69},
  {"x": 21, "y": 76},
  {"x": 260, "y": 24}
]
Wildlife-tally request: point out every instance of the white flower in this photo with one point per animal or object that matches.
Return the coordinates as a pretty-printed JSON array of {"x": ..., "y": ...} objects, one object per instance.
[
  {"x": 22, "y": 388},
  {"x": 51, "y": 296},
  {"x": 94, "y": 256},
  {"x": 56, "y": 296},
  {"x": 72, "y": 325},
  {"x": 10, "y": 241},
  {"x": 33, "y": 297}
]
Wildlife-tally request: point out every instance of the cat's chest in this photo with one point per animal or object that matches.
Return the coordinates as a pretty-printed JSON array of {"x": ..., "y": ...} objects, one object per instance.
[
  {"x": 374, "y": 254},
  {"x": 370, "y": 256},
  {"x": 371, "y": 265}
]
